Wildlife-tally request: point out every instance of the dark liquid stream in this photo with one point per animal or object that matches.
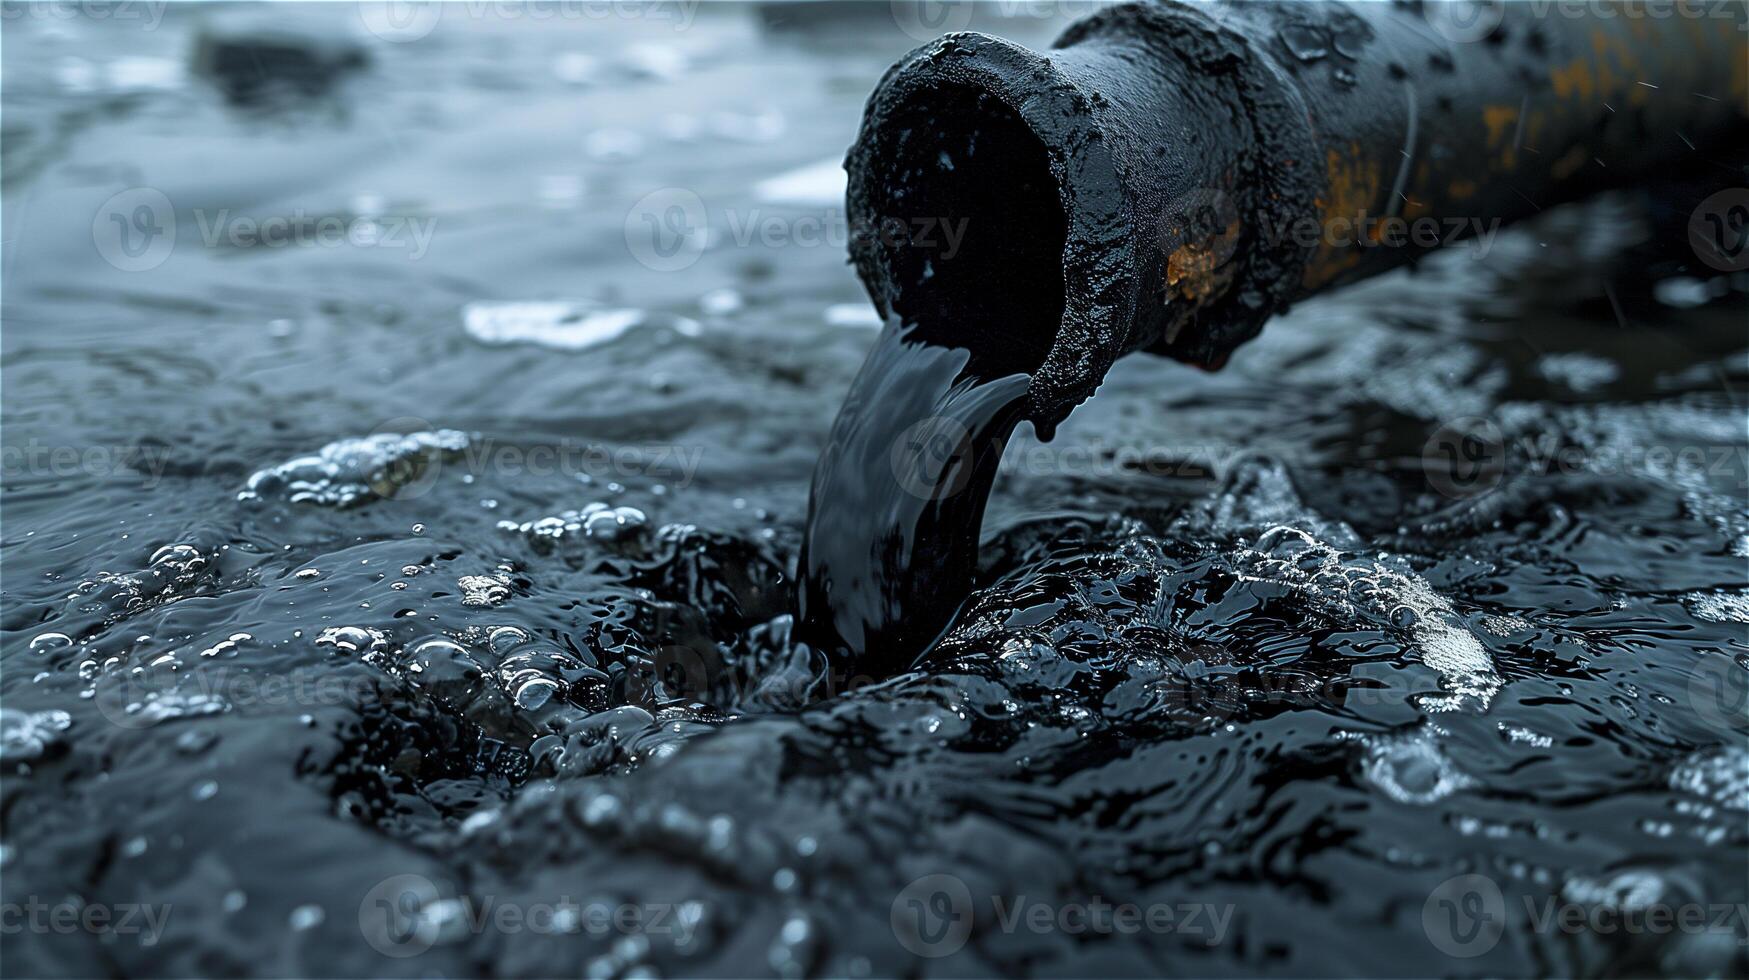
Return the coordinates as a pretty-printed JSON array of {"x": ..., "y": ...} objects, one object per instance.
[{"x": 898, "y": 499}]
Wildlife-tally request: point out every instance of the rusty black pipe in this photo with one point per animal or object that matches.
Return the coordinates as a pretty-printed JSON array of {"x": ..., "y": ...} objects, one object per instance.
[{"x": 1148, "y": 183}]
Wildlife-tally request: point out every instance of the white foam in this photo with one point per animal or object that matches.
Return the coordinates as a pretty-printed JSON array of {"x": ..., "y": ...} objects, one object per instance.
[
  {"x": 858, "y": 316},
  {"x": 559, "y": 325},
  {"x": 821, "y": 183},
  {"x": 1719, "y": 607}
]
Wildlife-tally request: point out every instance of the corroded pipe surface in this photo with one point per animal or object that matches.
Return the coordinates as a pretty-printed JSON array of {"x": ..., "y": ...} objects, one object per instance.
[{"x": 1206, "y": 164}]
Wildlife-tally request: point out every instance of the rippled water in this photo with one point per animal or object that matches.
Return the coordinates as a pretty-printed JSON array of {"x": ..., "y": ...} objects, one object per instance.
[{"x": 353, "y": 598}]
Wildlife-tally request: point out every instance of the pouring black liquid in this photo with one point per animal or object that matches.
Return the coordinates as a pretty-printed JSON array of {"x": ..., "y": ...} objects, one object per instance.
[{"x": 898, "y": 499}]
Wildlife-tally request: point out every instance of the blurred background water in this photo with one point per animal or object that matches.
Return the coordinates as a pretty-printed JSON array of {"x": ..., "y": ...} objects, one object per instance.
[{"x": 407, "y": 419}]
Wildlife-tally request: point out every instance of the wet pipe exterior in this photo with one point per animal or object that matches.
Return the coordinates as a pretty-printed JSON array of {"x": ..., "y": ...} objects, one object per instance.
[{"x": 1217, "y": 161}]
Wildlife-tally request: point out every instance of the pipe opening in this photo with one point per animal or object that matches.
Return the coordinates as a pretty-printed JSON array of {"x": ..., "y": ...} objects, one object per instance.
[{"x": 979, "y": 261}]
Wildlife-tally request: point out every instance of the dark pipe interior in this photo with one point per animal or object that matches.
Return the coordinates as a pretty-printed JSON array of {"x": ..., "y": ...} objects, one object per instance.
[{"x": 962, "y": 160}]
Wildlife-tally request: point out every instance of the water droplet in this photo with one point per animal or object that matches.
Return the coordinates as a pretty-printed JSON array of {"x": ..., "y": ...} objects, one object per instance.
[{"x": 1306, "y": 42}]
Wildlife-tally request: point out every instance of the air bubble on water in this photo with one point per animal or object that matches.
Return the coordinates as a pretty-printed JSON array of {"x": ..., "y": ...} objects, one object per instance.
[
  {"x": 480, "y": 819},
  {"x": 659, "y": 61},
  {"x": 721, "y": 302},
  {"x": 596, "y": 520},
  {"x": 1411, "y": 768},
  {"x": 306, "y": 917},
  {"x": 1382, "y": 589},
  {"x": 353, "y": 471},
  {"x": 353, "y": 639},
  {"x": 1524, "y": 736},
  {"x": 792, "y": 949},
  {"x": 45, "y": 642},
  {"x": 1307, "y": 42},
  {"x": 613, "y": 144},
  {"x": 228, "y": 646},
  {"x": 484, "y": 590},
  {"x": 531, "y": 693},
  {"x": 1718, "y": 607},
  {"x": 601, "y": 809},
  {"x": 1579, "y": 371},
  {"x": 161, "y": 706},
  {"x": 1685, "y": 292},
  {"x": 1506, "y": 625},
  {"x": 29, "y": 735},
  {"x": 195, "y": 741},
  {"x": 1627, "y": 890},
  {"x": 1720, "y": 776}
]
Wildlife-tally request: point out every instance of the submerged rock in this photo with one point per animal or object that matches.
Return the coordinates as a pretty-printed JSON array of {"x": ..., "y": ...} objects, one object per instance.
[{"x": 264, "y": 55}]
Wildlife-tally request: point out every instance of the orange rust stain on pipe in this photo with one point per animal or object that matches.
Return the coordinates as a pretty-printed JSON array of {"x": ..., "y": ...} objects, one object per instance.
[
  {"x": 1199, "y": 271},
  {"x": 1351, "y": 187},
  {"x": 1570, "y": 163},
  {"x": 1574, "y": 80},
  {"x": 1502, "y": 121}
]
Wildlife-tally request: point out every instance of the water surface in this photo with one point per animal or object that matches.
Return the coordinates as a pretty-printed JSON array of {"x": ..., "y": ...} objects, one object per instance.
[{"x": 349, "y": 592}]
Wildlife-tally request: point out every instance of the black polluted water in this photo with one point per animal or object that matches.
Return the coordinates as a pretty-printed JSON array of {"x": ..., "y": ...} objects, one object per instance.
[
  {"x": 425, "y": 606},
  {"x": 898, "y": 500}
]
